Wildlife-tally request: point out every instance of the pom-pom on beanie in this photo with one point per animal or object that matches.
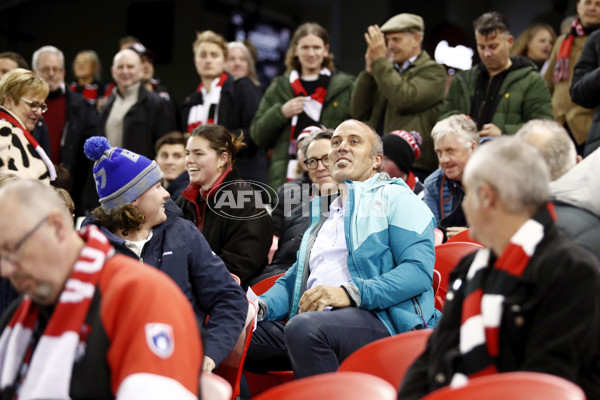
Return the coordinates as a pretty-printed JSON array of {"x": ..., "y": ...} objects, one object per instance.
[{"x": 121, "y": 175}]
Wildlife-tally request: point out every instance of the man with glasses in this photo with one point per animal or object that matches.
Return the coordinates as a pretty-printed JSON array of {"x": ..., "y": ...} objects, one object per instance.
[
  {"x": 364, "y": 268},
  {"x": 91, "y": 324},
  {"x": 71, "y": 119}
]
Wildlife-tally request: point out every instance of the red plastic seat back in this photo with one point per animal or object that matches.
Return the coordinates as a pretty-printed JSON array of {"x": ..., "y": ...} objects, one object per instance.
[
  {"x": 513, "y": 386},
  {"x": 447, "y": 257},
  {"x": 266, "y": 284},
  {"x": 388, "y": 358},
  {"x": 231, "y": 368},
  {"x": 333, "y": 386},
  {"x": 462, "y": 237}
]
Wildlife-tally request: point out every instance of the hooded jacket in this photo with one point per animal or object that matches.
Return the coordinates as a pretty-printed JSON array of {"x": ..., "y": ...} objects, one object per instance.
[{"x": 390, "y": 256}]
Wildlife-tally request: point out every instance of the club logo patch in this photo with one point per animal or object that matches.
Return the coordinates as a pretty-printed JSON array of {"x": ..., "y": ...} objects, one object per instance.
[{"x": 160, "y": 339}]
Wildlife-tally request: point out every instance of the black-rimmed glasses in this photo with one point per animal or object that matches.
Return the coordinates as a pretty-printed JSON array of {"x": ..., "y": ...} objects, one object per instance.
[{"x": 312, "y": 163}]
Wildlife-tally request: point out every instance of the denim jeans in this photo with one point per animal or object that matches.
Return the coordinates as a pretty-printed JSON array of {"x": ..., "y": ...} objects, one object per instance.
[{"x": 312, "y": 343}]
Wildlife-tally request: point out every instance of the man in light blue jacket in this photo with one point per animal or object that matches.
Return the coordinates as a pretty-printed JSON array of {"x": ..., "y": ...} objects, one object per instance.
[{"x": 364, "y": 268}]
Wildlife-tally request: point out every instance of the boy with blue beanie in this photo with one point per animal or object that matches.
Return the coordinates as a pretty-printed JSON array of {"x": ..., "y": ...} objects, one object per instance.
[{"x": 138, "y": 217}]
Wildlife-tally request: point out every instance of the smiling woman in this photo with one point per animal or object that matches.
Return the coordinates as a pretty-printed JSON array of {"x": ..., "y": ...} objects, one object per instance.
[
  {"x": 226, "y": 209},
  {"x": 22, "y": 96}
]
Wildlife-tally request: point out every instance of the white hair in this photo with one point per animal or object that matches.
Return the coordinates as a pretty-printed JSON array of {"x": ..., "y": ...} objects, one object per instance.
[
  {"x": 459, "y": 126},
  {"x": 553, "y": 142},
  {"x": 43, "y": 50},
  {"x": 515, "y": 169}
]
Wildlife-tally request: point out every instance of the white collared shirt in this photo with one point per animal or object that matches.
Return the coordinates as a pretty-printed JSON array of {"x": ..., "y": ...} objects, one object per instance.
[{"x": 328, "y": 260}]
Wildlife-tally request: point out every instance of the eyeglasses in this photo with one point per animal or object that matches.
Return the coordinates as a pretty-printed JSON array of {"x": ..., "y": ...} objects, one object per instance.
[
  {"x": 34, "y": 105},
  {"x": 9, "y": 255},
  {"x": 313, "y": 163}
]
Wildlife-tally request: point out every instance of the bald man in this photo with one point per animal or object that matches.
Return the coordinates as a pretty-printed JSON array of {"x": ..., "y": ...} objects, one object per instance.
[
  {"x": 364, "y": 270},
  {"x": 133, "y": 117}
]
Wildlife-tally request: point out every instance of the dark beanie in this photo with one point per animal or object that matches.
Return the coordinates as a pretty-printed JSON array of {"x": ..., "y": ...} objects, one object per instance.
[{"x": 402, "y": 148}]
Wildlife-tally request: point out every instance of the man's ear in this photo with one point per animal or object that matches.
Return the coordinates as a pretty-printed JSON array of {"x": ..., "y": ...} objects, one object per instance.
[
  {"x": 488, "y": 197},
  {"x": 377, "y": 161}
]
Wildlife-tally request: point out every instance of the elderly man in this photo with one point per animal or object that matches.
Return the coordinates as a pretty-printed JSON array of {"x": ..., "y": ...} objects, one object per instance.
[
  {"x": 70, "y": 119},
  {"x": 404, "y": 91},
  {"x": 134, "y": 118},
  {"x": 574, "y": 189},
  {"x": 529, "y": 300},
  {"x": 91, "y": 324},
  {"x": 503, "y": 92},
  {"x": 559, "y": 75},
  {"x": 454, "y": 138},
  {"x": 364, "y": 270}
]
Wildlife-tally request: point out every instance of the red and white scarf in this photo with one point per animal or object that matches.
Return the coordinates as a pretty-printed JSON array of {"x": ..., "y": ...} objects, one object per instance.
[
  {"x": 311, "y": 112},
  {"x": 208, "y": 111},
  {"x": 34, "y": 143},
  {"x": 561, "y": 68},
  {"x": 486, "y": 286},
  {"x": 45, "y": 371}
]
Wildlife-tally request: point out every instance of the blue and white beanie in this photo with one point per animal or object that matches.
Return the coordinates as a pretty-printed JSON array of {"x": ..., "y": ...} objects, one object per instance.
[{"x": 121, "y": 175}]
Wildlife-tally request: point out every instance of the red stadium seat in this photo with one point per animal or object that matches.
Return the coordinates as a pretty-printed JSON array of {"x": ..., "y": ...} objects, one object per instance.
[
  {"x": 333, "y": 386},
  {"x": 447, "y": 257},
  {"x": 513, "y": 386},
  {"x": 388, "y": 358}
]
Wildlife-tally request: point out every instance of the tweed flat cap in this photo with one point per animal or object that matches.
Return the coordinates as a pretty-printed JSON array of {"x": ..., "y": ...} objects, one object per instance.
[{"x": 404, "y": 22}]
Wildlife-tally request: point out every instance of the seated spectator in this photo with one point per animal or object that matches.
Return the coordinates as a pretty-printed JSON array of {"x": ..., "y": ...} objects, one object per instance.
[
  {"x": 225, "y": 208},
  {"x": 400, "y": 150},
  {"x": 88, "y": 72},
  {"x": 364, "y": 269},
  {"x": 290, "y": 216},
  {"x": 170, "y": 157},
  {"x": 454, "y": 140},
  {"x": 91, "y": 323},
  {"x": 553, "y": 142},
  {"x": 529, "y": 300},
  {"x": 574, "y": 189},
  {"x": 536, "y": 44},
  {"x": 575, "y": 196},
  {"x": 139, "y": 222},
  {"x": 22, "y": 97}
]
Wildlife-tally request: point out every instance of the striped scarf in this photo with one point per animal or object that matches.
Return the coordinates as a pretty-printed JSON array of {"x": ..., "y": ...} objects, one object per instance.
[
  {"x": 311, "y": 113},
  {"x": 486, "y": 286},
  {"x": 207, "y": 112},
  {"x": 42, "y": 369},
  {"x": 561, "y": 68}
]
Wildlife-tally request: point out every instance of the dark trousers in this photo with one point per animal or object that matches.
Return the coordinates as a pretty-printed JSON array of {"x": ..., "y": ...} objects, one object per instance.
[{"x": 312, "y": 343}]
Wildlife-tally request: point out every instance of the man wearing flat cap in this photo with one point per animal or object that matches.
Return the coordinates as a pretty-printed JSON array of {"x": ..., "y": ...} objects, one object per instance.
[{"x": 401, "y": 86}]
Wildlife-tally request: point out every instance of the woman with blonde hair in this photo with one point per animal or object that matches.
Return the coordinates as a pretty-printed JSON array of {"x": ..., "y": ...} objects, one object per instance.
[
  {"x": 22, "y": 103},
  {"x": 222, "y": 99},
  {"x": 226, "y": 209},
  {"x": 311, "y": 92},
  {"x": 240, "y": 63},
  {"x": 536, "y": 44}
]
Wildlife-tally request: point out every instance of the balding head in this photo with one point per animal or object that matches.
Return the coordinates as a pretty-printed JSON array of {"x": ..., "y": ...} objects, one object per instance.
[
  {"x": 356, "y": 152},
  {"x": 126, "y": 69}
]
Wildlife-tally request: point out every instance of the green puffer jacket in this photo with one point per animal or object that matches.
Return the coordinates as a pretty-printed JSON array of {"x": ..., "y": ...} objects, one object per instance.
[
  {"x": 411, "y": 100},
  {"x": 524, "y": 96},
  {"x": 271, "y": 129}
]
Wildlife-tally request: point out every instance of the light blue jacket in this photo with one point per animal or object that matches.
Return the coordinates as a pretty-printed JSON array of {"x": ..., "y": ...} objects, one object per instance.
[{"x": 389, "y": 236}]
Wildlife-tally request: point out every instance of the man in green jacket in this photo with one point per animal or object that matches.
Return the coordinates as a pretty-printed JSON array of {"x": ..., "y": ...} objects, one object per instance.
[
  {"x": 502, "y": 92},
  {"x": 404, "y": 91}
]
